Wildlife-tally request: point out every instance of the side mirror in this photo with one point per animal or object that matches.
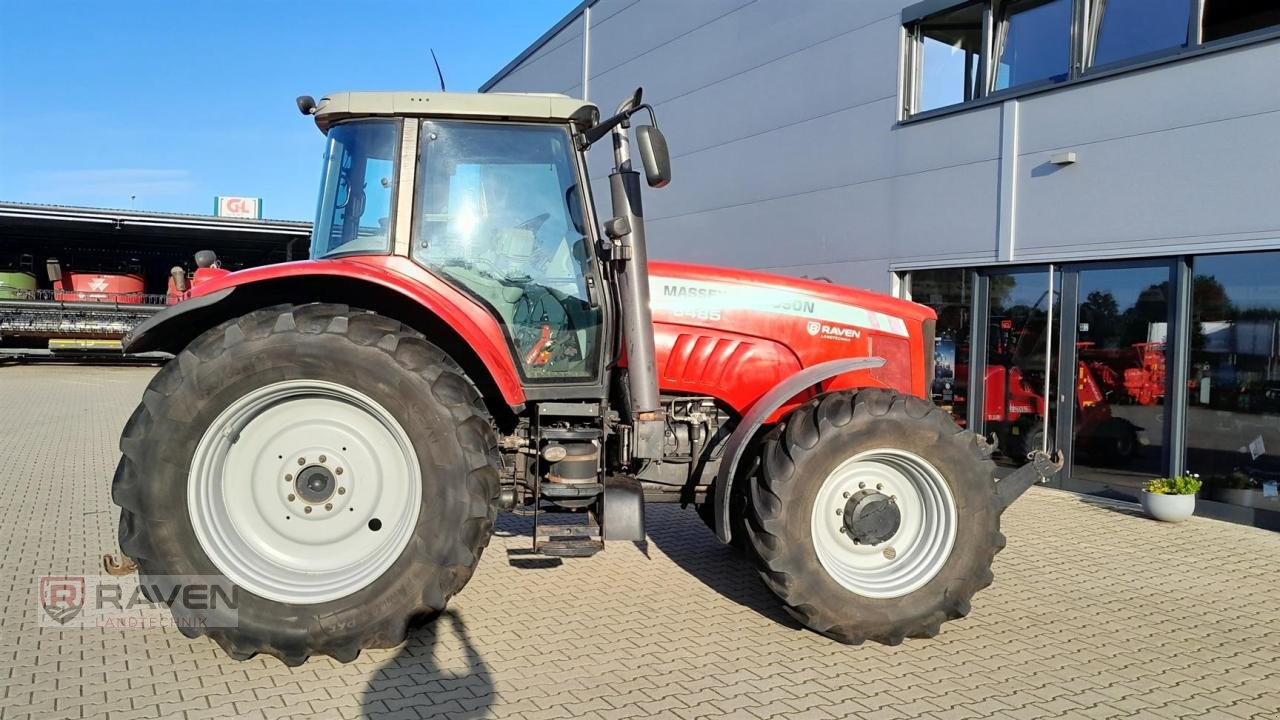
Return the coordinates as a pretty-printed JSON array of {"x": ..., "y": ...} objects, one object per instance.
[{"x": 654, "y": 155}]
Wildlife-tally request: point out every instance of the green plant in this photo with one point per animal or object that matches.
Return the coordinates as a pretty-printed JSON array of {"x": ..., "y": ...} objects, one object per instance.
[{"x": 1188, "y": 484}]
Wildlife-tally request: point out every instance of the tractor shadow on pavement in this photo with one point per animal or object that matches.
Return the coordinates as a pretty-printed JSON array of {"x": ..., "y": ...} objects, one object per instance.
[
  {"x": 437, "y": 671},
  {"x": 682, "y": 537}
]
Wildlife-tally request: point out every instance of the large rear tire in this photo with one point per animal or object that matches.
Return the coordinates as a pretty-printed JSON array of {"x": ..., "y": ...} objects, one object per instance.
[
  {"x": 335, "y": 467},
  {"x": 874, "y": 516}
]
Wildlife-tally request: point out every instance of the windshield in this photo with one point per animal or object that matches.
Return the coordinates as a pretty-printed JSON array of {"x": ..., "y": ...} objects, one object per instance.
[
  {"x": 500, "y": 214},
  {"x": 354, "y": 213}
]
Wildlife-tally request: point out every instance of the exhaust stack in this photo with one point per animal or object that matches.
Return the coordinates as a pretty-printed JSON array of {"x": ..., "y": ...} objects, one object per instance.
[{"x": 626, "y": 230}]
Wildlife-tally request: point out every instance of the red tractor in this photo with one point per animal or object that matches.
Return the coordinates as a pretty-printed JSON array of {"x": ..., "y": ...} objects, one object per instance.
[{"x": 335, "y": 437}]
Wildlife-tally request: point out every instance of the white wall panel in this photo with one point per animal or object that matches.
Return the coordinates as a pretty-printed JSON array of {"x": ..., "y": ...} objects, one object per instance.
[{"x": 782, "y": 119}]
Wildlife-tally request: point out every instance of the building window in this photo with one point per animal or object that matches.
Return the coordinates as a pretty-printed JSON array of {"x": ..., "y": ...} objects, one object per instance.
[
  {"x": 950, "y": 294},
  {"x": 1124, "y": 29},
  {"x": 973, "y": 49},
  {"x": 1233, "y": 403},
  {"x": 1033, "y": 43},
  {"x": 950, "y": 50},
  {"x": 1225, "y": 18}
]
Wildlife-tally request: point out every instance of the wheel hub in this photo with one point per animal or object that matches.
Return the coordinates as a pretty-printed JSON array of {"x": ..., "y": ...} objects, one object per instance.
[
  {"x": 316, "y": 484},
  {"x": 883, "y": 523},
  {"x": 304, "y": 491},
  {"x": 871, "y": 517}
]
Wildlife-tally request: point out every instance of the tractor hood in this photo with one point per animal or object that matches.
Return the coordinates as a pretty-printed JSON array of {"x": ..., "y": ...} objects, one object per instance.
[{"x": 685, "y": 283}]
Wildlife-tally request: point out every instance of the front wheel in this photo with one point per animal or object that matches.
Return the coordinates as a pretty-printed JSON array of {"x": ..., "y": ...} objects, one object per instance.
[
  {"x": 332, "y": 465},
  {"x": 874, "y": 516}
]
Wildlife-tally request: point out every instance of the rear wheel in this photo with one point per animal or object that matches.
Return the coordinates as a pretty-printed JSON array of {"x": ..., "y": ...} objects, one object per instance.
[
  {"x": 332, "y": 464},
  {"x": 874, "y": 516}
]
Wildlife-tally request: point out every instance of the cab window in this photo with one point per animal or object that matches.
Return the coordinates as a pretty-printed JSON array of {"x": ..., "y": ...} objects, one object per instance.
[
  {"x": 499, "y": 215},
  {"x": 354, "y": 211}
]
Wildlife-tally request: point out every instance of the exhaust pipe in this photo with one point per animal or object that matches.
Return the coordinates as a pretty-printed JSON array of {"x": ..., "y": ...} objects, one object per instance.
[
  {"x": 179, "y": 276},
  {"x": 626, "y": 230}
]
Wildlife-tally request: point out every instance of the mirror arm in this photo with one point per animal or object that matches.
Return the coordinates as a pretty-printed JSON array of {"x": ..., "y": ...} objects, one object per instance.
[
  {"x": 626, "y": 109},
  {"x": 589, "y": 138}
]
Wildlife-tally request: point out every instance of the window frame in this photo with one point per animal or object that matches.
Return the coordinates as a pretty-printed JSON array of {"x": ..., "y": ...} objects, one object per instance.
[
  {"x": 1091, "y": 30},
  {"x": 913, "y": 58},
  {"x": 1000, "y": 15},
  {"x": 1082, "y": 43},
  {"x": 398, "y": 174}
]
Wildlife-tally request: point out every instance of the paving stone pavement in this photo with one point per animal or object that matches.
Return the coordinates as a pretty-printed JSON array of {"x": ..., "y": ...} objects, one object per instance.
[{"x": 1096, "y": 613}]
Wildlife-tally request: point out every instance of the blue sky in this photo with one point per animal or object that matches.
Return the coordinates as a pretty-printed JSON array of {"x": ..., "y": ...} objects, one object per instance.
[{"x": 176, "y": 102}]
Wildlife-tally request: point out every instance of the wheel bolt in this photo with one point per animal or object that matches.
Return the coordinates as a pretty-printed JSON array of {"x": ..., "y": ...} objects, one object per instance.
[
  {"x": 337, "y": 471},
  {"x": 890, "y": 553},
  {"x": 839, "y": 511},
  {"x": 846, "y": 496},
  {"x": 879, "y": 486},
  {"x": 288, "y": 477},
  {"x": 307, "y": 509},
  {"x": 323, "y": 458},
  {"x": 302, "y": 461},
  {"x": 861, "y": 486},
  {"x": 842, "y": 531},
  {"x": 328, "y": 506},
  {"x": 292, "y": 497},
  {"x": 893, "y": 498},
  {"x": 342, "y": 491}
]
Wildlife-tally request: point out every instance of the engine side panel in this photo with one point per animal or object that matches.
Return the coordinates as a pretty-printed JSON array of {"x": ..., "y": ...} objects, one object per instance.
[
  {"x": 734, "y": 334},
  {"x": 732, "y": 367}
]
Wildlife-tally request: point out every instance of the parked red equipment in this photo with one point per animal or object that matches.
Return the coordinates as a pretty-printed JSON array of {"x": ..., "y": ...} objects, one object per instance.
[{"x": 117, "y": 287}]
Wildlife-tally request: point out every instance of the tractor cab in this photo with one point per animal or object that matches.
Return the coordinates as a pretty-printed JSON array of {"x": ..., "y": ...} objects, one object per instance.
[
  {"x": 496, "y": 209},
  {"x": 490, "y": 194}
]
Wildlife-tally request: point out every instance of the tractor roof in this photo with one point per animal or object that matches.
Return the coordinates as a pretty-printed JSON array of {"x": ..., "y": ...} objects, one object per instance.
[{"x": 546, "y": 107}]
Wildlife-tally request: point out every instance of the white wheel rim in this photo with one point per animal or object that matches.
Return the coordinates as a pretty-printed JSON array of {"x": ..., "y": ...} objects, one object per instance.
[
  {"x": 919, "y": 548},
  {"x": 251, "y": 517}
]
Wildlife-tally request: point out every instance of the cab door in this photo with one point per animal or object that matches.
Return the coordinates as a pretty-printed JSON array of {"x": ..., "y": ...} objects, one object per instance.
[{"x": 500, "y": 214}]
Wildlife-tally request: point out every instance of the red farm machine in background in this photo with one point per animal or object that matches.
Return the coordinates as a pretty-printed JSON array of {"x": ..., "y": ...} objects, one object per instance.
[
  {"x": 1014, "y": 405},
  {"x": 123, "y": 286},
  {"x": 74, "y": 280},
  {"x": 1133, "y": 375},
  {"x": 84, "y": 306}
]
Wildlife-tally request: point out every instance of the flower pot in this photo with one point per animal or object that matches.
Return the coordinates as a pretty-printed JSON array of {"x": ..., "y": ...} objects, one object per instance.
[{"x": 1169, "y": 508}]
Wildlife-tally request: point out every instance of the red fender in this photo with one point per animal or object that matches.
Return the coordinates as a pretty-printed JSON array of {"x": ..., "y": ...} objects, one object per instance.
[{"x": 223, "y": 297}]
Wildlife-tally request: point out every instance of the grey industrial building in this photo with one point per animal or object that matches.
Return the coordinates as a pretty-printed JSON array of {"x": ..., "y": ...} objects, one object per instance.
[{"x": 1083, "y": 190}]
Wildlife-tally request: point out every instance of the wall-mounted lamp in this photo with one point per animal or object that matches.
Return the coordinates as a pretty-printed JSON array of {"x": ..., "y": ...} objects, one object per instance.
[{"x": 1063, "y": 158}]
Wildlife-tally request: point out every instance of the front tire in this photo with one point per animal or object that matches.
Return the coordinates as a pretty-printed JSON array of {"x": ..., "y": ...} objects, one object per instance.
[
  {"x": 874, "y": 516},
  {"x": 332, "y": 464}
]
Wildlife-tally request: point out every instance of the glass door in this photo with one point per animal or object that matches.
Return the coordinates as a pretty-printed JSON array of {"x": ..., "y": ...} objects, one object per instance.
[
  {"x": 1114, "y": 340},
  {"x": 1015, "y": 401}
]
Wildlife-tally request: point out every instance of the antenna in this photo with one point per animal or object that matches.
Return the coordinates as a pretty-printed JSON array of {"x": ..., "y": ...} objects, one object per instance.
[{"x": 438, "y": 72}]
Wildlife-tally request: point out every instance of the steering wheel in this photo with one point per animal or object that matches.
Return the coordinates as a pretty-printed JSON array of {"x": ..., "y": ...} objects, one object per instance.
[{"x": 533, "y": 223}]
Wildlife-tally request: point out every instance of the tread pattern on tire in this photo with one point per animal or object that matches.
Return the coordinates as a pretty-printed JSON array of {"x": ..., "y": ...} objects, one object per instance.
[
  {"x": 147, "y": 536},
  {"x": 774, "y": 491}
]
